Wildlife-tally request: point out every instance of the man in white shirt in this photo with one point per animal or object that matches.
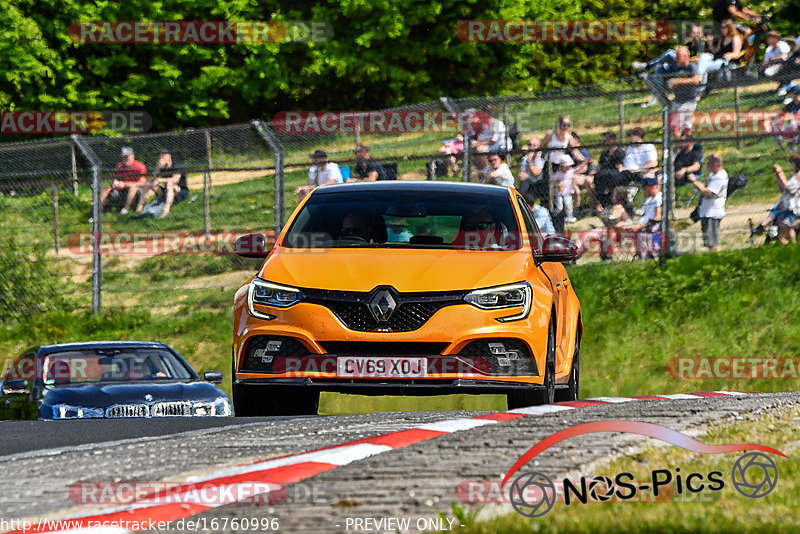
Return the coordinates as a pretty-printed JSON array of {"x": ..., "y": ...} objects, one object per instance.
[
  {"x": 712, "y": 202},
  {"x": 640, "y": 157},
  {"x": 652, "y": 205},
  {"x": 497, "y": 172},
  {"x": 777, "y": 52},
  {"x": 322, "y": 172}
]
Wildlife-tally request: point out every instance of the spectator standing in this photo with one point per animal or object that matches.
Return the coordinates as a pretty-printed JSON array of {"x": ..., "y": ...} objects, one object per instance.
[
  {"x": 540, "y": 215},
  {"x": 712, "y": 203},
  {"x": 789, "y": 216},
  {"x": 563, "y": 188},
  {"x": 497, "y": 172},
  {"x": 367, "y": 169},
  {"x": 169, "y": 180},
  {"x": 129, "y": 177},
  {"x": 687, "y": 161},
  {"x": 322, "y": 172}
]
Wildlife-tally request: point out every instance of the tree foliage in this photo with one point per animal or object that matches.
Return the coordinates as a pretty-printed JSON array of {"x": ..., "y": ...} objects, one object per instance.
[{"x": 381, "y": 54}]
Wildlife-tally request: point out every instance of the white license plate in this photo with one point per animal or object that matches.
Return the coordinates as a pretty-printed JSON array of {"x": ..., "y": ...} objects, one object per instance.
[{"x": 381, "y": 367}]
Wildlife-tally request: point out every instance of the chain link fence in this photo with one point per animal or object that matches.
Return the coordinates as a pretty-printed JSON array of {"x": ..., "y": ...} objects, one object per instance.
[{"x": 61, "y": 250}]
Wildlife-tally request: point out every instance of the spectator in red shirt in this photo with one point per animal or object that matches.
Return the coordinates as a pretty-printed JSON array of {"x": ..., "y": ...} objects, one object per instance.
[{"x": 129, "y": 177}]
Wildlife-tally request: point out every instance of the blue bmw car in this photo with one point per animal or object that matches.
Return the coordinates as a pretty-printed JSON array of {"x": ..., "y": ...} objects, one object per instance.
[{"x": 108, "y": 379}]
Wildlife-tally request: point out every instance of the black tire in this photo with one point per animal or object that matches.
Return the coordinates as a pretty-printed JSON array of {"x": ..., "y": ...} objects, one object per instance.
[
  {"x": 267, "y": 401},
  {"x": 532, "y": 397},
  {"x": 573, "y": 390}
]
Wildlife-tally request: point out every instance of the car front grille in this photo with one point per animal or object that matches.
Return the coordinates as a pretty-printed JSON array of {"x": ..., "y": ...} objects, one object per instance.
[
  {"x": 412, "y": 310},
  {"x": 172, "y": 409},
  {"x": 128, "y": 410},
  {"x": 383, "y": 348}
]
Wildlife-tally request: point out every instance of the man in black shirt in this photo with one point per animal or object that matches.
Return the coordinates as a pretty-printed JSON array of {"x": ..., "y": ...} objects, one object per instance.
[
  {"x": 609, "y": 166},
  {"x": 686, "y": 83},
  {"x": 169, "y": 183},
  {"x": 367, "y": 170},
  {"x": 730, "y": 9},
  {"x": 687, "y": 161}
]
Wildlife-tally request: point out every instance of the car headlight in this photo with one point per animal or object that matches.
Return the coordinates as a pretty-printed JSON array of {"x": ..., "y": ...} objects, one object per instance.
[
  {"x": 266, "y": 293},
  {"x": 509, "y": 296},
  {"x": 67, "y": 411},
  {"x": 221, "y": 407}
]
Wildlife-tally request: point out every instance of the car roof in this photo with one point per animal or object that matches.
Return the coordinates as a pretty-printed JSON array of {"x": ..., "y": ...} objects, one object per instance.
[
  {"x": 84, "y": 345},
  {"x": 414, "y": 185}
]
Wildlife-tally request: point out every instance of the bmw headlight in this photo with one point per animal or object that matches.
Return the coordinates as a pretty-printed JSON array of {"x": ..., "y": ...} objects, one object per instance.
[
  {"x": 67, "y": 411},
  {"x": 266, "y": 293},
  {"x": 221, "y": 407},
  {"x": 509, "y": 296}
]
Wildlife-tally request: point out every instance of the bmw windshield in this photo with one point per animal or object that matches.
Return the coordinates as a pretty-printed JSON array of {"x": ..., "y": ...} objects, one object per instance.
[
  {"x": 118, "y": 365},
  {"x": 405, "y": 219}
]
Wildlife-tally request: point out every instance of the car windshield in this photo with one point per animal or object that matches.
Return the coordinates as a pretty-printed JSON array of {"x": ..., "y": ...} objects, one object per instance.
[
  {"x": 405, "y": 219},
  {"x": 115, "y": 365}
]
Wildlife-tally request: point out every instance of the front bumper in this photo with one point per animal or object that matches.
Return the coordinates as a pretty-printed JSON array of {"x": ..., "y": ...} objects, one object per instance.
[{"x": 420, "y": 387}]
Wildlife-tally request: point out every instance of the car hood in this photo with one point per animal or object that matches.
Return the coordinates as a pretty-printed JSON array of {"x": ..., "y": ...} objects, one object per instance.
[
  {"x": 405, "y": 270},
  {"x": 107, "y": 394}
]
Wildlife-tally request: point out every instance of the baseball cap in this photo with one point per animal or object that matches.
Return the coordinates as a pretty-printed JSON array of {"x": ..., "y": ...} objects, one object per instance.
[
  {"x": 649, "y": 181},
  {"x": 318, "y": 154},
  {"x": 127, "y": 151},
  {"x": 566, "y": 160}
]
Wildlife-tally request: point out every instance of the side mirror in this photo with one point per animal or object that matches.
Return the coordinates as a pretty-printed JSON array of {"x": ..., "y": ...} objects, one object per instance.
[
  {"x": 16, "y": 387},
  {"x": 557, "y": 248},
  {"x": 251, "y": 246},
  {"x": 215, "y": 377}
]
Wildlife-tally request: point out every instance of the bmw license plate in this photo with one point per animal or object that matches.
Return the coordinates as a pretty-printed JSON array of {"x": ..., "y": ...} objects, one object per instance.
[{"x": 381, "y": 367}]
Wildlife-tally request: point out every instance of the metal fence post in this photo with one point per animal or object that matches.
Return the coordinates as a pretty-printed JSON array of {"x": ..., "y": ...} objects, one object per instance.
[
  {"x": 466, "y": 164},
  {"x": 209, "y": 166},
  {"x": 207, "y": 187},
  {"x": 277, "y": 149},
  {"x": 54, "y": 193},
  {"x": 74, "y": 169},
  {"x": 97, "y": 214},
  {"x": 739, "y": 144},
  {"x": 621, "y": 114},
  {"x": 668, "y": 182}
]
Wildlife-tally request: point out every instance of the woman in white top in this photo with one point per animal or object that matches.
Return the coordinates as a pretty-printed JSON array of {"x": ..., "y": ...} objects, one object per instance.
[{"x": 558, "y": 139}]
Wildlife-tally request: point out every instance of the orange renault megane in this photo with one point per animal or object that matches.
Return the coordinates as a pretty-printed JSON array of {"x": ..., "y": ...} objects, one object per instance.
[{"x": 418, "y": 288}]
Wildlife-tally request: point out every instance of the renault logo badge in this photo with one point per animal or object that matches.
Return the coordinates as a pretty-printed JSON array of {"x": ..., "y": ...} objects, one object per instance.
[{"x": 382, "y": 306}]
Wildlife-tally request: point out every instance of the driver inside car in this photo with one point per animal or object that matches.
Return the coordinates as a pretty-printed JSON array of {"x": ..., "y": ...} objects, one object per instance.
[
  {"x": 357, "y": 226},
  {"x": 479, "y": 231}
]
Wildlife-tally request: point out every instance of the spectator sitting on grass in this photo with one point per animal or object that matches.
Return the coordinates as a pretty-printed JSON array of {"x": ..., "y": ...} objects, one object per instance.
[
  {"x": 531, "y": 178},
  {"x": 609, "y": 166},
  {"x": 129, "y": 177},
  {"x": 452, "y": 148},
  {"x": 712, "y": 203},
  {"x": 367, "y": 169},
  {"x": 687, "y": 161},
  {"x": 640, "y": 158},
  {"x": 169, "y": 183},
  {"x": 787, "y": 210},
  {"x": 614, "y": 219},
  {"x": 663, "y": 65},
  {"x": 497, "y": 172},
  {"x": 775, "y": 55},
  {"x": 652, "y": 206},
  {"x": 322, "y": 172},
  {"x": 787, "y": 122},
  {"x": 685, "y": 82},
  {"x": 727, "y": 50}
]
